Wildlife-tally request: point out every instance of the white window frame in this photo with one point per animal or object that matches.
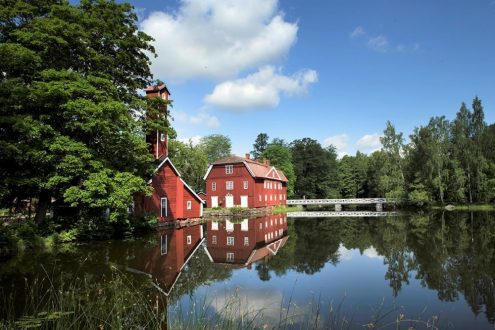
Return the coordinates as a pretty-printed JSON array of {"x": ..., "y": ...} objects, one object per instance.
[
  {"x": 230, "y": 257},
  {"x": 163, "y": 245},
  {"x": 162, "y": 137},
  {"x": 161, "y": 206},
  {"x": 214, "y": 239},
  {"x": 230, "y": 240},
  {"x": 213, "y": 186},
  {"x": 188, "y": 205},
  {"x": 246, "y": 241},
  {"x": 229, "y": 169},
  {"x": 189, "y": 239},
  {"x": 246, "y": 184},
  {"x": 229, "y": 185}
]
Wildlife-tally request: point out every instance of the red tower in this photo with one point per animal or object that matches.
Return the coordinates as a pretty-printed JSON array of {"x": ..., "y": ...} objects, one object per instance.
[{"x": 158, "y": 141}]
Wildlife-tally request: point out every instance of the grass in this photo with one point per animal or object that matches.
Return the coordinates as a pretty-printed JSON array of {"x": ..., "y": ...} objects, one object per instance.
[
  {"x": 286, "y": 209},
  {"x": 116, "y": 302}
]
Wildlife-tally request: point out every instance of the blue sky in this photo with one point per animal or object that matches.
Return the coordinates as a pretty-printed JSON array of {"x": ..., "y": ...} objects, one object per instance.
[{"x": 334, "y": 71}]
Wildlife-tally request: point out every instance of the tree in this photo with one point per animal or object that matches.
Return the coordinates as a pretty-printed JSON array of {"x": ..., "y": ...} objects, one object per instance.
[
  {"x": 68, "y": 95},
  {"x": 191, "y": 162},
  {"x": 392, "y": 182},
  {"x": 215, "y": 146},
  {"x": 315, "y": 169},
  {"x": 281, "y": 157},
  {"x": 259, "y": 145}
]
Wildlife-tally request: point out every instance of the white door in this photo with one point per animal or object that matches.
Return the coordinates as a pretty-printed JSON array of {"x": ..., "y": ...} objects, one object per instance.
[
  {"x": 244, "y": 201},
  {"x": 229, "y": 201},
  {"x": 214, "y": 201}
]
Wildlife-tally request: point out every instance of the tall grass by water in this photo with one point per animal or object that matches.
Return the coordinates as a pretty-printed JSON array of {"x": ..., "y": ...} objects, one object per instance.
[{"x": 115, "y": 302}]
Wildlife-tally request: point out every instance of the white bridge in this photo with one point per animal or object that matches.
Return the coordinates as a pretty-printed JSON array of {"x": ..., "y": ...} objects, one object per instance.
[
  {"x": 338, "y": 202},
  {"x": 349, "y": 214}
]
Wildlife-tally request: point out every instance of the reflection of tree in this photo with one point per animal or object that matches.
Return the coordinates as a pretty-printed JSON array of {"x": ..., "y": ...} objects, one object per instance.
[
  {"x": 263, "y": 271},
  {"x": 452, "y": 253}
]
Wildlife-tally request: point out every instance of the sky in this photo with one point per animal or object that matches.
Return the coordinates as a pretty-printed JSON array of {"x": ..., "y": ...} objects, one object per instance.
[{"x": 334, "y": 71}]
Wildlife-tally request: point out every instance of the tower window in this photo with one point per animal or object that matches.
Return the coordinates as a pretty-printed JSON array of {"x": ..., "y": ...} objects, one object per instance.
[{"x": 163, "y": 137}]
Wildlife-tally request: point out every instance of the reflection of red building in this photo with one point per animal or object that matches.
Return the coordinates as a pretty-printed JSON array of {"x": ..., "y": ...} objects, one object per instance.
[
  {"x": 244, "y": 182},
  {"x": 246, "y": 242},
  {"x": 172, "y": 198},
  {"x": 164, "y": 261}
]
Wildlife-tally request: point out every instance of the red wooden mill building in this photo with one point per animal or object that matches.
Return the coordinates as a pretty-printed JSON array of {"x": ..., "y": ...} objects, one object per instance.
[
  {"x": 238, "y": 181},
  {"x": 172, "y": 198}
]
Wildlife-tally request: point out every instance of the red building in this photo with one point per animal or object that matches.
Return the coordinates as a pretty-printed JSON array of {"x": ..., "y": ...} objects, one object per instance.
[
  {"x": 172, "y": 198},
  {"x": 165, "y": 261},
  {"x": 237, "y": 181},
  {"x": 244, "y": 243}
]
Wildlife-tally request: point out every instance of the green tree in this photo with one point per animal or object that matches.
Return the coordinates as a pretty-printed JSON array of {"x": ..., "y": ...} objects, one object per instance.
[
  {"x": 259, "y": 145},
  {"x": 315, "y": 169},
  {"x": 215, "y": 146},
  {"x": 280, "y": 156},
  {"x": 68, "y": 95},
  {"x": 392, "y": 181},
  {"x": 191, "y": 161}
]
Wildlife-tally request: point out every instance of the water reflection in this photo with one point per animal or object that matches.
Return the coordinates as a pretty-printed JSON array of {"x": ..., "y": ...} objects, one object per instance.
[
  {"x": 443, "y": 261},
  {"x": 246, "y": 242}
]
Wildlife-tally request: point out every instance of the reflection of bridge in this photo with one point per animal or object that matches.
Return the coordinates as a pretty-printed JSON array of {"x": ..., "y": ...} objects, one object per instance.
[
  {"x": 350, "y": 214},
  {"x": 341, "y": 201}
]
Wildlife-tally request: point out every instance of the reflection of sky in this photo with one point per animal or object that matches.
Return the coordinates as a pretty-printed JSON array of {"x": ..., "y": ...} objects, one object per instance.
[{"x": 357, "y": 282}]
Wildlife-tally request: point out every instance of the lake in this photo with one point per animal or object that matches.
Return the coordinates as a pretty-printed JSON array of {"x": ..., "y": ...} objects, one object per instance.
[{"x": 410, "y": 270}]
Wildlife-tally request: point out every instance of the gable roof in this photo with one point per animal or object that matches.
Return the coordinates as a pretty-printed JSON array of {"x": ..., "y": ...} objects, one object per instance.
[
  {"x": 167, "y": 160},
  {"x": 156, "y": 88},
  {"x": 255, "y": 168}
]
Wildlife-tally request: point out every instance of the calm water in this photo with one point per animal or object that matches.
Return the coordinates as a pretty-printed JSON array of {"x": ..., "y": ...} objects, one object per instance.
[{"x": 427, "y": 268}]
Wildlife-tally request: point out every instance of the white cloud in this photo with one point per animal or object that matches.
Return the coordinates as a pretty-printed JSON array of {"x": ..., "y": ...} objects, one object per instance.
[
  {"x": 372, "y": 253},
  {"x": 201, "y": 118},
  {"x": 261, "y": 89},
  {"x": 344, "y": 253},
  {"x": 369, "y": 143},
  {"x": 357, "y": 32},
  {"x": 218, "y": 38},
  {"x": 340, "y": 142},
  {"x": 194, "y": 140},
  {"x": 379, "y": 43}
]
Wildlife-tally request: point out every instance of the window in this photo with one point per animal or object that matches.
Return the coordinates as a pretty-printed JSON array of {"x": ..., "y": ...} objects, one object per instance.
[
  {"x": 214, "y": 225},
  {"x": 230, "y": 240},
  {"x": 266, "y": 198},
  {"x": 189, "y": 240},
  {"x": 280, "y": 196},
  {"x": 163, "y": 207},
  {"x": 261, "y": 225},
  {"x": 259, "y": 197},
  {"x": 246, "y": 240},
  {"x": 214, "y": 239},
  {"x": 130, "y": 208},
  {"x": 230, "y": 257},
  {"x": 246, "y": 184},
  {"x": 188, "y": 205},
  {"x": 162, "y": 137},
  {"x": 163, "y": 244},
  {"x": 213, "y": 186},
  {"x": 229, "y": 169},
  {"x": 229, "y": 185}
]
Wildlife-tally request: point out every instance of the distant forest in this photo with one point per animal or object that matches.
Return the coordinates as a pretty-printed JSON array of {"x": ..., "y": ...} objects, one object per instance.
[{"x": 446, "y": 161}]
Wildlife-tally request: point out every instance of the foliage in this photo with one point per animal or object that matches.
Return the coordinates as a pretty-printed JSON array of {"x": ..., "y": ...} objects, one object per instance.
[
  {"x": 191, "y": 161},
  {"x": 280, "y": 156},
  {"x": 215, "y": 146},
  {"x": 71, "y": 122},
  {"x": 259, "y": 146},
  {"x": 315, "y": 168}
]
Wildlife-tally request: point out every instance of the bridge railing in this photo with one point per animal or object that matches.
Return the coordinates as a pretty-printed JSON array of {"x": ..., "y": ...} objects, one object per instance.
[{"x": 340, "y": 201}]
